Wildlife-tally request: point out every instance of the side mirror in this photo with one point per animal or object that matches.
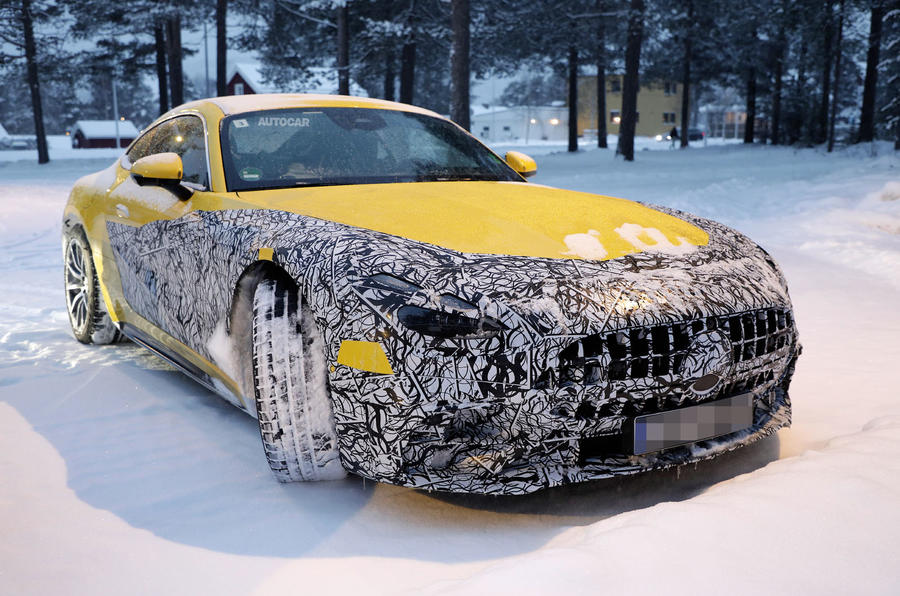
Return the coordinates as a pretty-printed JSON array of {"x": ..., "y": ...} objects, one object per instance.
[
  {"x": 161, "y": 169},
  {"x": 521, "y": 163}
]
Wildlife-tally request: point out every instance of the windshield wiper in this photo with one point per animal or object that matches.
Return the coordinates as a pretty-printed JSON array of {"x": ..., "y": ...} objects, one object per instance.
[{"x": 456, "y": 177}]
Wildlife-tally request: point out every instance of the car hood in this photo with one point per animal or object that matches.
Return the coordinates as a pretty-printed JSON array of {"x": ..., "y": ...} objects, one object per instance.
[{"x": 495, "y": 218}]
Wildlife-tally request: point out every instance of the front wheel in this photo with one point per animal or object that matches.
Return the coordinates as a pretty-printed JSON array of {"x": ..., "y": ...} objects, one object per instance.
[
  {"x": 87, "y": 311},
  {"x": 293, "y": 401}
]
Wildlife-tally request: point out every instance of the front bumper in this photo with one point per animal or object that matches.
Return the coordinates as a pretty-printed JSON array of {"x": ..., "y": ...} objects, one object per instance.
[
  {"x": 524, "y": 441},
  {"x": 568, "y": 465}
]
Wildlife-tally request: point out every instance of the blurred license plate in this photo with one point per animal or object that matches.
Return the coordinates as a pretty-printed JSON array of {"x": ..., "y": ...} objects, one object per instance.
[{"x": 662, "y": 430}]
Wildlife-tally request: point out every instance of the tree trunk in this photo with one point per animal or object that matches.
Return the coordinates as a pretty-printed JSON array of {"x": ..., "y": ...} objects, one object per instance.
[
  {"x": 389, "y": 75},
  {"x": 176, "y": 80},
  {"x": 630, "y": 82},
  {"x": 407, "y": 70},
  {"x": 601, "y": 78},
  {"x": 221, "y": 48},
  {"x": 867, "y": 116},
  {"x": 343, "y": 50},
  {"x": 837, "y": 78},
  {"x": 161, "y": 75},
  {"x": 779, "y": 83},
  {"x": 573, "y": 98},
  {"x": 459, "y": 64},
  {"x": 750, "y": 124},
  {"x": 822, "y": 120},
  {"x": 686, "y": 78},
  {"x": 33, "y": 83},
  {"x": 801, "y": 126}
]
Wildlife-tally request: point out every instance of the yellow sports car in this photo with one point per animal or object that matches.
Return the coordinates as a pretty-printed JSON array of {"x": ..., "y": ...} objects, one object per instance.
[{"x": 390, "y": 298}]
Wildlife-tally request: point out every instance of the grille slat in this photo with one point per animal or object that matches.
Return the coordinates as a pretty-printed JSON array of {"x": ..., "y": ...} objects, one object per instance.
[{"x": 660, "y": 350}]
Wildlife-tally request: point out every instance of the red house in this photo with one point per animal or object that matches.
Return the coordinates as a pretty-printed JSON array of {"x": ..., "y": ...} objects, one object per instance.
[
  {"x": 93, "y": 134},
  {"x": 245, "y": 79}
]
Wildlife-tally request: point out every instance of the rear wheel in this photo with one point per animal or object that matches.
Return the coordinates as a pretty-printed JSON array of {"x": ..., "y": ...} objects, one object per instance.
[
  {"x": 87, "y": 311},
  {"x": 293, "y": 401}
]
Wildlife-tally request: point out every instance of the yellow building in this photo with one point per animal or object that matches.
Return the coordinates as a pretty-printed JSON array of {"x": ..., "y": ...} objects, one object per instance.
[{"x": 658, "y": 106}]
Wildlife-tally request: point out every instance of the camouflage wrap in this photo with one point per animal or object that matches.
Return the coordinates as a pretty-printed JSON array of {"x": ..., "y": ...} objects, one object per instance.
[{"x": 585, "y": 345}]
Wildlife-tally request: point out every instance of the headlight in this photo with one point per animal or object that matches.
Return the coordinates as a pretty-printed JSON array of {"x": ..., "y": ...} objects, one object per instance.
[
  {"x": 438, "y": 323},
  {"x": 453, "y": 317}
]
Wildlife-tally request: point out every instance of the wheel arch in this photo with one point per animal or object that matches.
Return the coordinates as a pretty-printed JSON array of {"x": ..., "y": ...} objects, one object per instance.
[{"x": 240, "y": 315}]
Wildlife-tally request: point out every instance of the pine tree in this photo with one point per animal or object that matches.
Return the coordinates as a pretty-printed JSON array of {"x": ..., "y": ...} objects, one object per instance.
[
  {"x": 25, "y": 30},
  {"x": 221, "y": 47},
  {"x": 867, "y": 112},
  {"x": 890, "y": 64},
  {"x": 459, "y": 64}
]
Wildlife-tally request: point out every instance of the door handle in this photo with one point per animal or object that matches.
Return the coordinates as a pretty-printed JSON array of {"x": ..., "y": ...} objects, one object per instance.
[{"x": 122, "y": 210}]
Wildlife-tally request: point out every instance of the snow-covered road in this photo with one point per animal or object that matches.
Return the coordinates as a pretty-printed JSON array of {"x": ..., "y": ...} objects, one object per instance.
[{"x": 119, "y": 475}]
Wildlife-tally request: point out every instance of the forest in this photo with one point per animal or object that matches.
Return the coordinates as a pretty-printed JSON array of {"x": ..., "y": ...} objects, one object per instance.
[{"x": 809, "y": 72}]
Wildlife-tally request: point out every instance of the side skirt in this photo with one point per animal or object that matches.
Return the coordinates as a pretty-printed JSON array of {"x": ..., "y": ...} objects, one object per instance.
[{"x": 191, "y": 370}]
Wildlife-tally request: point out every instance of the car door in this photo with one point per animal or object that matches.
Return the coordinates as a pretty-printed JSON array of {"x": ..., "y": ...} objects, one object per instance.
[{"x": 147, "y": 228}]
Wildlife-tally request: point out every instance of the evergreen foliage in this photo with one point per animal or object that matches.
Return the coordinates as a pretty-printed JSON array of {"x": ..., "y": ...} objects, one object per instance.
[{"x": 800, "y": 68}]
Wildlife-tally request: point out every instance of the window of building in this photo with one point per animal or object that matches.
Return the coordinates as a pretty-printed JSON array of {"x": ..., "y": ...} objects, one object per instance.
[
  {"x": 669, "y": 117},
  {"x": 615, "y": 116},
  {"x": 238, "y": 88},
  {"x": 615, "y": 85},
  {"x": 671, "y": 88},
  {"x": 505, "y": 129}
]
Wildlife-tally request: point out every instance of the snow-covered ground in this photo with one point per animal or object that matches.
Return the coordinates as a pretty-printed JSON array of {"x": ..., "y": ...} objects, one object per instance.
[{"x": 119, "y": 475}]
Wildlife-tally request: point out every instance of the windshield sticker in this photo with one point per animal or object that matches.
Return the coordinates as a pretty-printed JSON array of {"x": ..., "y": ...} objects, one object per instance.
[
  {"x": 282, "y": 121},
  {"x": 251, "y": 174},
  {"x": 242, "y": 123}
]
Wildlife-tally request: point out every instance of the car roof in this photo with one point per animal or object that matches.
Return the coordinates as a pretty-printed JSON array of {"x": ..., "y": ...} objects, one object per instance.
[{"x": 237, "y": 104}]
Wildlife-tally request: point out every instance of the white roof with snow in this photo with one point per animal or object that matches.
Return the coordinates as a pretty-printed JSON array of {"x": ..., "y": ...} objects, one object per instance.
[
  {"x": 252, "y": 76},
  {"x": 320, "y": 81},
  {"x": 105, "y": 129}
]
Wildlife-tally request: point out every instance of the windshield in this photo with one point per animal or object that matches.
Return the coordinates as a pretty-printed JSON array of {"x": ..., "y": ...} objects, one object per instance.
[{"x": 326, "y": 146}]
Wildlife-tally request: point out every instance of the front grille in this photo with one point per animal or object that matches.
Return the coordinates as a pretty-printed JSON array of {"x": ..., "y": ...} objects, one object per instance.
[{"x": 660, "y": 350}]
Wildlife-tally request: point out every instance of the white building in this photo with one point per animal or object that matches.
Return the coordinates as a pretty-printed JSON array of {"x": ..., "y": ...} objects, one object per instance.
[{"x": 520, "y": 124}]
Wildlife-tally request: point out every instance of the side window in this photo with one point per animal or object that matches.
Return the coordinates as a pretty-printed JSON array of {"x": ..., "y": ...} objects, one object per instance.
[
  {"x": 141, "y": 147},
  {"x": 184, "y": 136}
]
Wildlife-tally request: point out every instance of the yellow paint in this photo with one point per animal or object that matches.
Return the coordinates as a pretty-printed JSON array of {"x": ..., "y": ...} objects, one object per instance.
[
  {"x": 521, "y": 163},
  {"x": 266, "y": 254},
  {"x": 646, "y": 239},
  {"x": 235, "y": 104},
  {"x": 478, "y": 217},
  {"x": 364, "y": 355},
  {"x": 165, "y": 166},
  {"x": 481, "y": 217}
]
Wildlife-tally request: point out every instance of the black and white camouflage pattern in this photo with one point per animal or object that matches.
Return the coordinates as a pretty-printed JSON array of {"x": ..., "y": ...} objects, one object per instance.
[{"x": 509, "y": 414}]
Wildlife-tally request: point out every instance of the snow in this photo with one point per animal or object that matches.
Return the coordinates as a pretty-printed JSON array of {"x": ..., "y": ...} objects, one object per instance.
[
  {"x": 120, "y": 475},
  {"x": 60, "y": 147},
  {"x": 252, "y": 75},
  {"x": 653, "y": 240},
  {"x": 105, "y": 129},
  {"x": 319, "y": 80}
]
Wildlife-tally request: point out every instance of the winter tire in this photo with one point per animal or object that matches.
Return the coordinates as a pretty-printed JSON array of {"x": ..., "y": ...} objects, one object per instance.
[
  {"x": 87, "y": 310},
  {"x": 293, "y": 404}
]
